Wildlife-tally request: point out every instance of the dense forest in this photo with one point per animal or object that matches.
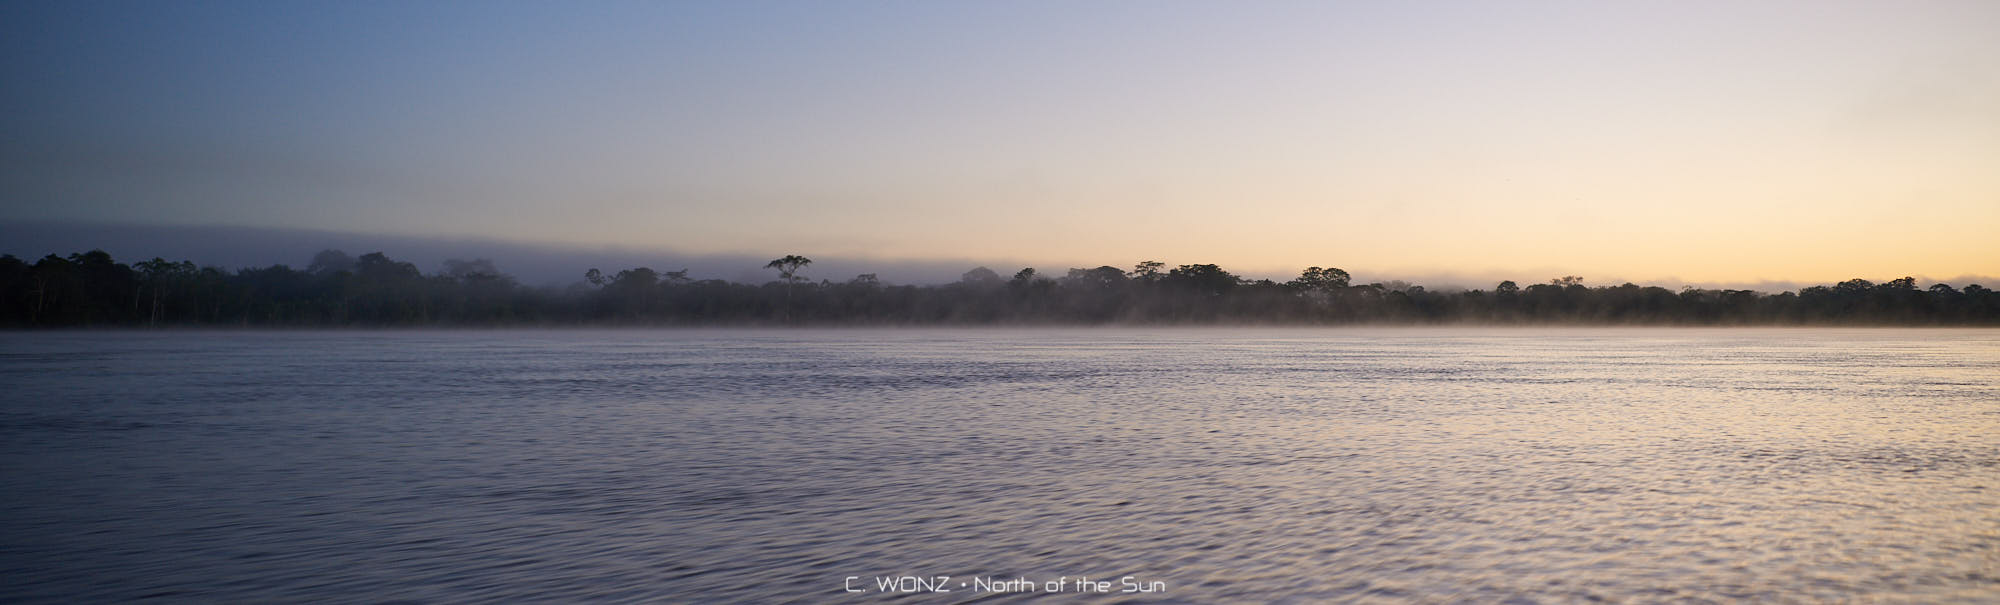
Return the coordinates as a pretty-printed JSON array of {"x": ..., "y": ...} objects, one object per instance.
[{"x": 90, "y": 289}]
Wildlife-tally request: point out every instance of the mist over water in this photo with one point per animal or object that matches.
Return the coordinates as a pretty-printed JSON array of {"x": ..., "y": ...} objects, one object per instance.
[{"x": 1395, "y": 465}]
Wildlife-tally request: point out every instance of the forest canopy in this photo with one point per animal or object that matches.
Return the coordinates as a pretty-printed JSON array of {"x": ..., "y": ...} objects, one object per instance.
[{"x": 90, "y": 289}]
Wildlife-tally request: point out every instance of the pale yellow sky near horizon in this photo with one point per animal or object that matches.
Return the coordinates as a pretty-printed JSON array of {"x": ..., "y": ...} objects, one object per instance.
[{"x": 1806, "y": 141}]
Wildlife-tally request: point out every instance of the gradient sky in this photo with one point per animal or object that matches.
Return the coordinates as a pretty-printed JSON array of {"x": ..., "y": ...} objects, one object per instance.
[{"x": 1718, "y": 141}]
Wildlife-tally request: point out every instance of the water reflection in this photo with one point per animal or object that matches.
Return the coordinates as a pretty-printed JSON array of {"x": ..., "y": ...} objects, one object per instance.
[{"x": 1257, "y": 465}]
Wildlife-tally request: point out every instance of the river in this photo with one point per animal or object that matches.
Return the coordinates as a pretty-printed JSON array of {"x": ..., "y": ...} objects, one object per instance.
[{"x": 1183, "y": 465}]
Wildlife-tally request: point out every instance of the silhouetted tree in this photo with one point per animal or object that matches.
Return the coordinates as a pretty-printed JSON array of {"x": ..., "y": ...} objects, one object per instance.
[
  {"x": 1206, "y": 279},
  {"x": 980, "y": 276},
  {"x": 1023, "y": 277},
  {"x": 162, "y": 278},
  {"x": 1317, "y": 279},
  {"x": 91, "y": 289},
  {"x": 788, "y": 267},
  {"x": 1147, "y": 272},
  {"x": 330, "y": 261}
]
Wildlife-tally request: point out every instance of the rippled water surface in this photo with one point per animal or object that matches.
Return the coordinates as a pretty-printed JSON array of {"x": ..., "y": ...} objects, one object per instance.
[{"x": 1226, "y": 465}]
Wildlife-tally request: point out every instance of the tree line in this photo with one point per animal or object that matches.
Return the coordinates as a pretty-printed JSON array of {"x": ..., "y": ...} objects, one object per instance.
[{"x": 90, "y": 289}]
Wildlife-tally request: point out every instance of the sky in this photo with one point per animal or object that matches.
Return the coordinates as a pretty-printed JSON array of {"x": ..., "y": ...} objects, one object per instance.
[{"x": 1643, "y": 141}]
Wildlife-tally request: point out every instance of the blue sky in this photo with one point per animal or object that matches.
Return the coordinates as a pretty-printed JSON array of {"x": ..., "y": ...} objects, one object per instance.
[{"x": 1705, "y": 141}]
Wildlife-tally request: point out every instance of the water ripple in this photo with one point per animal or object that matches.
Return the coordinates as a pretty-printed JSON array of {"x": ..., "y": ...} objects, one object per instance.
[{"x": 1233, "y": 465}]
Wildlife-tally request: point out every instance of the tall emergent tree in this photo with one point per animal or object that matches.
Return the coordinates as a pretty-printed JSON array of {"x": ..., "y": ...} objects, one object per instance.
[
  {"x": 789, "y": 266},
  {"x": 1317, "y": 279}
]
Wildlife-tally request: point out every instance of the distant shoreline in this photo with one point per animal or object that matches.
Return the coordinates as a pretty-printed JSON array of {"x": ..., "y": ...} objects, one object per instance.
[{"x": 91, "y": 290}]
